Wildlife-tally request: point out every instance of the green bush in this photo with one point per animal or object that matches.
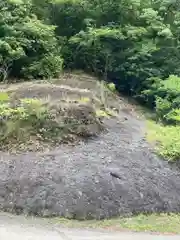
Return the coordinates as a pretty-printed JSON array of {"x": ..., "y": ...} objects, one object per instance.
[
  {"x": 69, "y": 16},
  {"x": 168, "y": 100},
  {"x": 111, "y": 87},
  {"x": 164, "y": 95},
  {"x": 19, "y": 123},
  {"x": 167, "y": 107},
  {"x": 167, "y": 139},
  {"x": 50, "y": 65},
  {"x": 173, "y": 116}
]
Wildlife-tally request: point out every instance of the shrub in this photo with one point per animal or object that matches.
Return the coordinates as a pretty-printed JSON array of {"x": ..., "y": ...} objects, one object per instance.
[
  {"x": 167, "y": 139},
  {"x": 166, "y": 96},
  {"x": 163, "y": 107},
  {"x": 111, "y": 87},
  {"x": 50, "y": 65},
  {"x": 20, "y": 122}
]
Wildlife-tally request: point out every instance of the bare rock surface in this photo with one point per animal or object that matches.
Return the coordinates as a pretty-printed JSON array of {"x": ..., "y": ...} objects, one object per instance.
[{"x": 114, "y": 174}]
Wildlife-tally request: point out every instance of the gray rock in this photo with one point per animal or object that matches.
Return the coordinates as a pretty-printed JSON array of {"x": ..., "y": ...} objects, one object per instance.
[{"x": 75, "y": 182}]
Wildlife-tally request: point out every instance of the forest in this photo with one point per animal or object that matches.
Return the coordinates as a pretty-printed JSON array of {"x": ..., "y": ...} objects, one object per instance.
[{"x": 132, "y": 43}]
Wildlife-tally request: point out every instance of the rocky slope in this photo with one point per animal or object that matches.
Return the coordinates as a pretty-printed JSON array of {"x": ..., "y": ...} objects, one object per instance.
[{"x": 114, "y": 174}]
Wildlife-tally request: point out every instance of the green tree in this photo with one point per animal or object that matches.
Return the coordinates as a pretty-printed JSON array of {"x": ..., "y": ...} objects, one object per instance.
[{"x": 28, "y": 47}]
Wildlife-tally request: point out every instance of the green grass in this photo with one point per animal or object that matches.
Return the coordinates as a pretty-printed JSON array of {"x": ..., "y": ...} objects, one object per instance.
[
  {"x": 160, "y": 223},
  {"x": 166, "y": 138}
]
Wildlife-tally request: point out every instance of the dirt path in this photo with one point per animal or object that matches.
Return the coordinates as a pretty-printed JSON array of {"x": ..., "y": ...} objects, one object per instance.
[{"x": 21, "y": 228}]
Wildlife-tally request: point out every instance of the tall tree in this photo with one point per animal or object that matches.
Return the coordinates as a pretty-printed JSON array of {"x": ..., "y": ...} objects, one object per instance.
[{"x": 28, "y": 47}]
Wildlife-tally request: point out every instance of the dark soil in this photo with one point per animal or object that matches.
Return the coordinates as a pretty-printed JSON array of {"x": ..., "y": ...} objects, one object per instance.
[{"x": 114, "y": 174}]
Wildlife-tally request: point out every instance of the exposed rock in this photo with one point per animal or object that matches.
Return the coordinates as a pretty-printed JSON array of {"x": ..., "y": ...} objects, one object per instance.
[{"x": 76, "y": 182}]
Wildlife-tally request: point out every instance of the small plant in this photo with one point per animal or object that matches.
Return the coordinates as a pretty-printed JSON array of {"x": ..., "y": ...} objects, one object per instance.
[
  {"x": 163, "y": 107},
  {"x": 20, "y": 122},
  {"x": 173, "y": 117},
  {"x": 111, "y": 87},
  {"x": 4, "y": 97},
  {"x": 84, "y": 100},
  {"x": 167, "y": 101}
]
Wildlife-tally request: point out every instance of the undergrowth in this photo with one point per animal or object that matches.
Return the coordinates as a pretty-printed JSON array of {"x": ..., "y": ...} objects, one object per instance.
[
  {"x": 36, "y": 123},
  {"x": 166, "y": 139},
  {"x": 159, "y": 223}
]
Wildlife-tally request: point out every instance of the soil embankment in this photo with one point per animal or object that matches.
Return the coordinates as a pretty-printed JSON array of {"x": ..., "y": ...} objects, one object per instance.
[{"x": 113, "y": 174}]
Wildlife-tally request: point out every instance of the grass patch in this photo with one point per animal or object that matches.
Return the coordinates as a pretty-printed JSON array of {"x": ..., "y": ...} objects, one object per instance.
[
  {"x": 161, "y": 223},
  {"x": 166, "y": 140}
]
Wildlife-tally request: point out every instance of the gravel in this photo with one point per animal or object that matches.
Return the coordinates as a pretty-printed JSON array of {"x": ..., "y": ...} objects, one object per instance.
[{"x": 114, "y": 174}]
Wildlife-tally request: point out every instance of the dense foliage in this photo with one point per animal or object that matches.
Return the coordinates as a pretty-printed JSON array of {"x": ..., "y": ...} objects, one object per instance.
[
  {"x": 133, "y": 43},
  {"x": 28, "y": 47}
]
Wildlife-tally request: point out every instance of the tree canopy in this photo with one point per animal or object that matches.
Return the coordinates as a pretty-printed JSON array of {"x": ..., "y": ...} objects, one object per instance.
[{"x": 28, "y": 47}]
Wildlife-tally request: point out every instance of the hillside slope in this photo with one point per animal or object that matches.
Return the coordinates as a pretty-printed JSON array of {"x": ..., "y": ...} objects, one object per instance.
[{"x": 113, "y": 174}]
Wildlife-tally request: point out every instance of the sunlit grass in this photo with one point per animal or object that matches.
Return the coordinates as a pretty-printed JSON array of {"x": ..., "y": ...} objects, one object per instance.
[
  {"x": 161, "y": 223},
  {"x": 167, "y": 139}
]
